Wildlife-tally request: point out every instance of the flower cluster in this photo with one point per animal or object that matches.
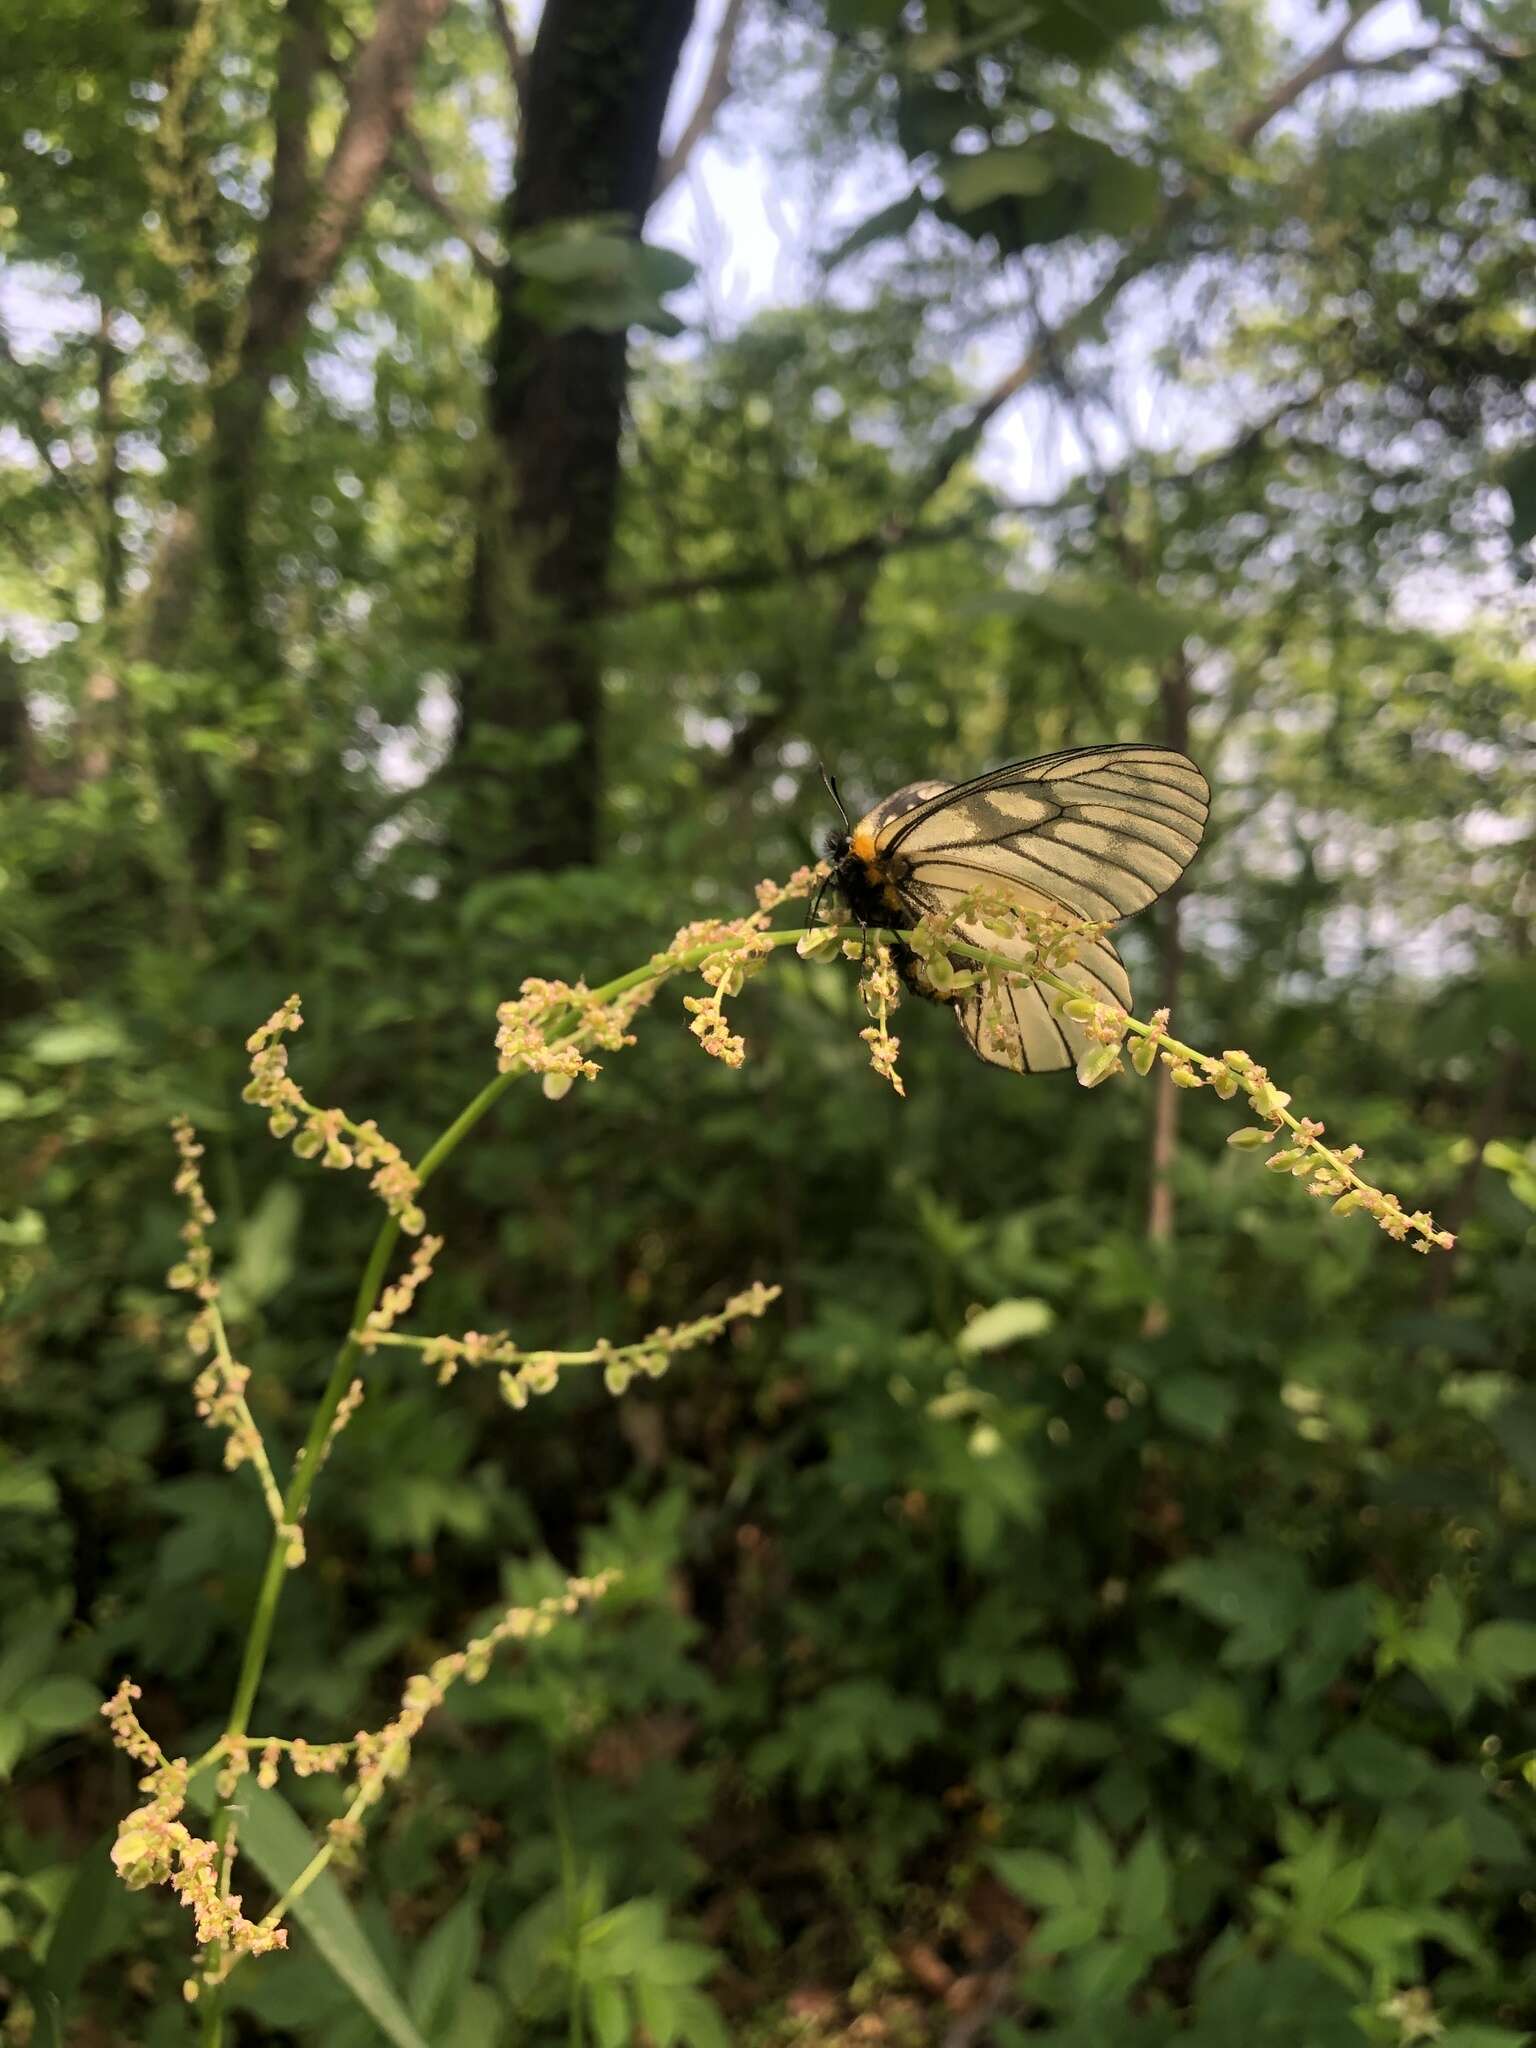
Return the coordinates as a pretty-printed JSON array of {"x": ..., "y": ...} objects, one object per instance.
[
  {"x": 154, "y": 1846},
  {"x": 525, "y": 1374},
  {"x": 880, "y": 989},
  {"x": 396, "y": 1300},
  {"x": 1036, "y": 941},
  {"x": 387, "y": 1754},
  {"x": 724, "y": 974},
  {"x": 193, "y": 1273},
  {"x": 548, "y": 1028},
  {"x": 219, "y": 1389},
  {"x": 1329, "y": 1174},
  {"x": 328, "y": 1135},
  {"x": 346, "y": 1408},
  {"x": 771, "y": 894}
]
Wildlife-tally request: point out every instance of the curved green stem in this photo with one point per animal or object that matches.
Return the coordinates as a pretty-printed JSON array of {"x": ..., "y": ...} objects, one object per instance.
[{"x": 258, "y": 1639}]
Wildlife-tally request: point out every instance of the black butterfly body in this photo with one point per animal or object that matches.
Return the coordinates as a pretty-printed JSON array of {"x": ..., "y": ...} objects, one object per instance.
[{"x": 1089, "y": 834}]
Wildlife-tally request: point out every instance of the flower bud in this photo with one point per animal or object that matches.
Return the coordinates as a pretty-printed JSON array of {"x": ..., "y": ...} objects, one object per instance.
[
  {"x": 1097, "y": 1065},
  {"x": 1249, "y": 1139}
]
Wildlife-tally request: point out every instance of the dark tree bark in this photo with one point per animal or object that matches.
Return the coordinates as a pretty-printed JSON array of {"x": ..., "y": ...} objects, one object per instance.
[
  {"x": 309, "y": 222},
  {"x": 526, "y": 772}
]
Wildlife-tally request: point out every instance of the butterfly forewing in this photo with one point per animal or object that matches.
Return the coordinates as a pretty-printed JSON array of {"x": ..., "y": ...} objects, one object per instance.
[{"x": 1099, "y": 832}]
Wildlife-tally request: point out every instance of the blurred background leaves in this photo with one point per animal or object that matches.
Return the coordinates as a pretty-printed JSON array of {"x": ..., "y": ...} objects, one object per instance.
[{"x": 436, "y": 547}]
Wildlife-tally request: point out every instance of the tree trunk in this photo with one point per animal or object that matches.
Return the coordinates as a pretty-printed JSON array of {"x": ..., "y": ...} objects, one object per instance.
[
  {"x": 309, "y": 222},
  {"x": 526, "y": 772}
]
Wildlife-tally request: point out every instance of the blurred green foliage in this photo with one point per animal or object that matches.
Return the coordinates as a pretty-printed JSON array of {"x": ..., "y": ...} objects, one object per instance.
[{"x": 1032, "y": 1622}]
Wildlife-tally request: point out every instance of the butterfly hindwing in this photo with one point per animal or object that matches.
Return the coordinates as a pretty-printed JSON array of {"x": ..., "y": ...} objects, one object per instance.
[{"x": 1018, "y": 1026}]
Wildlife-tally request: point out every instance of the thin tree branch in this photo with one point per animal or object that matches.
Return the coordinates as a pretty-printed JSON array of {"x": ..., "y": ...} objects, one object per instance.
[
  {"x": 868, "y": 547},
  {"x": 713, "y": 94},
  {"x": 896, "y": 536},
  {"x": 1326, "y": 62},
  {"x": 517, "y": 56},
  {"x": 1141, "y": 257},
  {"x": 411, "y": 156},
  {"x": 378, "y": 99}
]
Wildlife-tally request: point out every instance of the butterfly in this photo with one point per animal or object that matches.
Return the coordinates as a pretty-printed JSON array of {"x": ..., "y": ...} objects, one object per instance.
[{"x": 1091, "y": 834}]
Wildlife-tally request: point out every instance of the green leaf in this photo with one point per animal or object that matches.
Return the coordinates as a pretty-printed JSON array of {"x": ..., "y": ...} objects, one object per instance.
[
  {"x": 80, "y": 1925},
  {"x": 590, "y": 273},
  {"x": 1043, "y": 1672},
  {"x": 1042, "y": 1879},
  {"x": 533, "y": 1951},
  {"x": 1338, "y": 1626},
  {"x": 1006, "y": 1322},
  {"x": 1215, "y": 1722},
  {"x": 1261, "y": 1596},
  {"x": 1439, "y": 1858},
  {"x": 883, "y": 226},
  {"x": 679, "y": 1962},
  {"x": 1199, "y": 1403},
  {"x": 50, "y": 1705},
  {"x": 1502, "y": 1653},
  {"x": 699, "y": 2021},
  {"x": 658, "y": 2008},
  {"x": 1095, "y": 1864},
  {"x": 27, "y": 1655},
  {"x": 28, "y": 1490},
  {"x": 1018, "y": 171},
  {"x": 264, "y": 1248},
  {"x": 479, "y": 2020},
  {"x": 1377, "y": 1766},
  {"x": 279, "y": 1844},
  {"x": 443, "y": 1964},
  {"x": 1144, "y": 1886},
  {"x": 1067, "y": 1928},
  {"x": 1087, "y": 35},
  {"x": 608, "y": 2010},
  {"x": 85, "y": 1038},
  {"x": 13, "y": 1742},
  {"x": 1382, "y": 1936}
]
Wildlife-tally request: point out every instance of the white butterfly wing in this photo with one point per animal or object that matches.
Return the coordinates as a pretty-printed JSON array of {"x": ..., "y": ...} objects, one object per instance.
[
  {"x": 1096, "y": 832},
  {"x": 1099, "y": 832}
]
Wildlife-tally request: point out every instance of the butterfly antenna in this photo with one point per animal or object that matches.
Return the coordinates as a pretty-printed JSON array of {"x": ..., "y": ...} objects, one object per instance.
[
  {"x": 831, "y": 782},
  {"x": 813, "y": 910}
]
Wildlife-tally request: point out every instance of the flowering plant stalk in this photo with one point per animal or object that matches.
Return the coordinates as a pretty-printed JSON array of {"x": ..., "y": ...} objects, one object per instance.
[{"x": 552, "y": 1029}]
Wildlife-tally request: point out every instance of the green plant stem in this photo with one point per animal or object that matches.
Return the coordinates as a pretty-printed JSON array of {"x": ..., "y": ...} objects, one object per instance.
[
  {"x": 574, "y": 2023},
  {"x": 258, "y": 1639}
]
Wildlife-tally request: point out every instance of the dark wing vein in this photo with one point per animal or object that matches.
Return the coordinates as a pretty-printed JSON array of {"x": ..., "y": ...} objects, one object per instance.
[{"x": 1130, "y": 761}]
